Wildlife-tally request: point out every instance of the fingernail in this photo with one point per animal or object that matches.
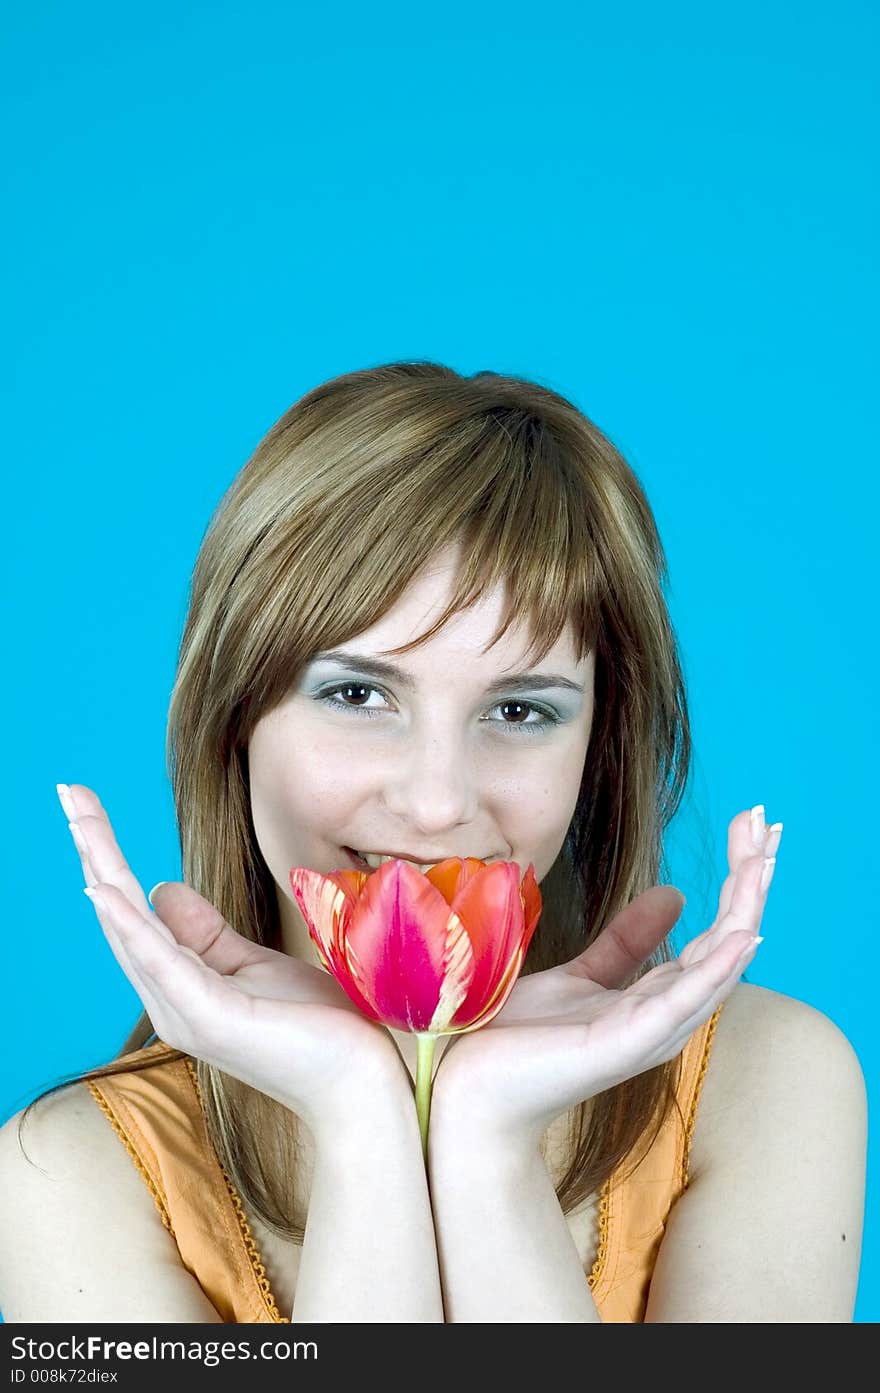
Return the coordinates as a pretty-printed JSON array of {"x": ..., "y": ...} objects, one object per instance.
[
  {"x": 750, "y": 948},
  {"x": 758, "y": 829},
  {"x": 94, "y": 897},
  {"x": 79, "y": 839},
  {"x": 66, "y": 801},
  {"x": 767, "y": 872},
  {"x": 155, "y": 888},
  {"x": 774, "y": 837}
]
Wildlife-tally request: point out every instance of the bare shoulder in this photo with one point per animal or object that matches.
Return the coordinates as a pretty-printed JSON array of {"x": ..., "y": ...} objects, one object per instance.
[
  {"x": 63, "y": 1132},
  {"x": 769, "y": 1228},
  {"x": 81, "y": 1237},
  {"x": 66, "y": 1141},
  {"x": 772, "y": 1052}
]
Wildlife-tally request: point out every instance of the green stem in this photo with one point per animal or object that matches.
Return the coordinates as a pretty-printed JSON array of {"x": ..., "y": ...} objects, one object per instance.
[{"x": 424, "y": 1062}]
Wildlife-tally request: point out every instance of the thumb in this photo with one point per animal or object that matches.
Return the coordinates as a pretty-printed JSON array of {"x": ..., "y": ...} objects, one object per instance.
[
  {"x": 193, "y": 920},
  {"x": 631, "y": 936},
  {"x": 199, "y": 927},
  {"x": 174, "y": 899}
]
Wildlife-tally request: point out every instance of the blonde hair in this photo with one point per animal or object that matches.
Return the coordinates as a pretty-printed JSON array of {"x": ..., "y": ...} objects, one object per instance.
[{"x": 414, "y": 456}]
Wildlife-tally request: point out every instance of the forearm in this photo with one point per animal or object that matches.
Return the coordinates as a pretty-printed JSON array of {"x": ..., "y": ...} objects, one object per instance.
[
  {"x": 369, "y": 1253},
  {"x": 506, "y": 1254}
]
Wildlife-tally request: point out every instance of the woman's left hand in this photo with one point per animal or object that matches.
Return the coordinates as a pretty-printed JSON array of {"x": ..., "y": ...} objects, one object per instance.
[{"x": 573, "y": 1031}]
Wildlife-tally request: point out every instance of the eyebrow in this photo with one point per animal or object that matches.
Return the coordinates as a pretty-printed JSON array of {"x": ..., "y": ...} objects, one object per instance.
[{"x": 379, "y": 667}]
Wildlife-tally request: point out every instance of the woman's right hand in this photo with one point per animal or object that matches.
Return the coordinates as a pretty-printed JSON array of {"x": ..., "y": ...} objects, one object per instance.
[{"x": 281, "y": 1025}]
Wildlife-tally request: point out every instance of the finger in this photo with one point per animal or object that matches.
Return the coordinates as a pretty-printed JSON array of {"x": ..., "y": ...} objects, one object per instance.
[
  {"x": 688, "y": 993},
  {"x": 700, "y": 989},
  {"x": 648, "y": 1023},
  {"x": 184, "y": 916},
  {"x": 72, "y": 814},
  {"x": 182, "y": 996},
  {"x": 198, "y": 925},
  {"x": 126, "y": 961},
  {"x": 745, "y": 908},
  {"x": 747, "y": 835},
  {"x": 631, "y": 937},
  {"x": 102, "y": 859}
]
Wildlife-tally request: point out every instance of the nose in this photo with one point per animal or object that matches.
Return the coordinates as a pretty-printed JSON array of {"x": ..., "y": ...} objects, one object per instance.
[{"x": 430, "y": 785}]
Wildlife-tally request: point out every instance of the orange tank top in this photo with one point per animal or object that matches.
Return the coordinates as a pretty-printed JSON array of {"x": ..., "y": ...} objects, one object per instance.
[{"x": 157, "y": 1112}]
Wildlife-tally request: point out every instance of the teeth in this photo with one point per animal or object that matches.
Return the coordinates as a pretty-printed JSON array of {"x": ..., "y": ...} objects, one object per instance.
[{"x": 374, "y": 861}]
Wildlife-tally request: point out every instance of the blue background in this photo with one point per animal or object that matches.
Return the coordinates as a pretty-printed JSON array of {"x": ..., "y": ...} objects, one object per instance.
[{"x": 666, "y": 213}]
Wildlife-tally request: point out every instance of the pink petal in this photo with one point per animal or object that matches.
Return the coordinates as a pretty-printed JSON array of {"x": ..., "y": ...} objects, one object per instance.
[{"x": 406, "y": 951}]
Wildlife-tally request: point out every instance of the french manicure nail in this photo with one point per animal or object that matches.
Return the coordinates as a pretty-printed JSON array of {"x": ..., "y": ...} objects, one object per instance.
[
  {"x": 78, "y": 838},
  {"x": 94, "y": 897},
  {"x": 751, "y": 946},
  {"x": 758, "y": 829},
  {"x": 767, "y": 872},
  {"x": 66, "y": 801},
  {"x": 774, "y": 837}
]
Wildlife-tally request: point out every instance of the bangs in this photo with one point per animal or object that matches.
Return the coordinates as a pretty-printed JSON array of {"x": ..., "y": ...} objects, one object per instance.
[
  {"x": 357, "y": 511},
  {"x": 528, "y": 532}
]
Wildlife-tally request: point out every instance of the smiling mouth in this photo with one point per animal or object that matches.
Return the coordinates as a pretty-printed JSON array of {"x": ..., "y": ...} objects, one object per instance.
[
  {"x": 364, "y": 865},
  {"x": 361, "y": 863}
]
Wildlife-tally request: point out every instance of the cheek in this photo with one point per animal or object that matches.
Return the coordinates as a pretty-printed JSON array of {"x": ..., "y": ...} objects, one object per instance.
[
  {"x": 297, "y": 784},
  {"x": 543, "y": 814},
  {"x": 276, "y": 793},
  {"x": 550, "y": 788},
  {"x": 535, "y": 809},
  {"x": 294, "y": 789}
]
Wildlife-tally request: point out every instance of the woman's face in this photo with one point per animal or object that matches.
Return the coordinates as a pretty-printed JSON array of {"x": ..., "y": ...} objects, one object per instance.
[{"x": 451, "y": 757}]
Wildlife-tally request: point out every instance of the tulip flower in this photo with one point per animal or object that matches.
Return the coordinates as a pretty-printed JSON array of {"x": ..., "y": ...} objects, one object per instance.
[{"x": 435, "y": 953}]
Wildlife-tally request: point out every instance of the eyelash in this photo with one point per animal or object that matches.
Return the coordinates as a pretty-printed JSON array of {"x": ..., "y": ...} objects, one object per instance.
[{"x": 533, "y": 728}]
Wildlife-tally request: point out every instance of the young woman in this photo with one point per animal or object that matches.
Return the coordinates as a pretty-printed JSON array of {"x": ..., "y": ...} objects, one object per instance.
[{"x": 427, "y": 621}]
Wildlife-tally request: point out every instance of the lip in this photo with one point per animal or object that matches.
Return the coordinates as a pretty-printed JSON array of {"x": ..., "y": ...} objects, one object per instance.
[
  {"x": 401, "y": 856},
  {"x": 355, "y": 859}
]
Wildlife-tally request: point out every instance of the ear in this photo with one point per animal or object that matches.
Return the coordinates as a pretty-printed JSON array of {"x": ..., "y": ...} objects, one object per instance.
[{"x": 631, "y": 936}]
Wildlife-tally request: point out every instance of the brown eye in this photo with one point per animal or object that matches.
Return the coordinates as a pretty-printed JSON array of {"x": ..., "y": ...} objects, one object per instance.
[
  {"x": 352, "y": 696},
  {"x": 349, "y": 702},
  {"x": 348, "y": 687},
  {"x": 520, "y": 705}
]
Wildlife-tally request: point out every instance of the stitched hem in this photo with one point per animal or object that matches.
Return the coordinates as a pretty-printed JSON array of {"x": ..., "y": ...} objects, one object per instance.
[
  {"x": 258, "y": 1267},
  {"x": 114, "y": 1122},
  {"x": 602, "y": 1252},
  {"x": 698, "y": 1086}
]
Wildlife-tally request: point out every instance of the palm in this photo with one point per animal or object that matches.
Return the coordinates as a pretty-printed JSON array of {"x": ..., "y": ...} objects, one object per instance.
[
  {"x": 573, "y": 1031},
  {"x": 200, "y": 931},
  {"x": 219, "y": 996},
  {"x": 599, "y": 1035}
]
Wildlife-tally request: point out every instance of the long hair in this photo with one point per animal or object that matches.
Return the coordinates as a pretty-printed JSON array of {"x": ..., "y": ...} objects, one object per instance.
[{"x": 415, "y": 456}]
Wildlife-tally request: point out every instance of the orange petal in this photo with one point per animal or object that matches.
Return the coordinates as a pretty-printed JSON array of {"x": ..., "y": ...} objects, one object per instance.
[{"x": 490, "y": 906}]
